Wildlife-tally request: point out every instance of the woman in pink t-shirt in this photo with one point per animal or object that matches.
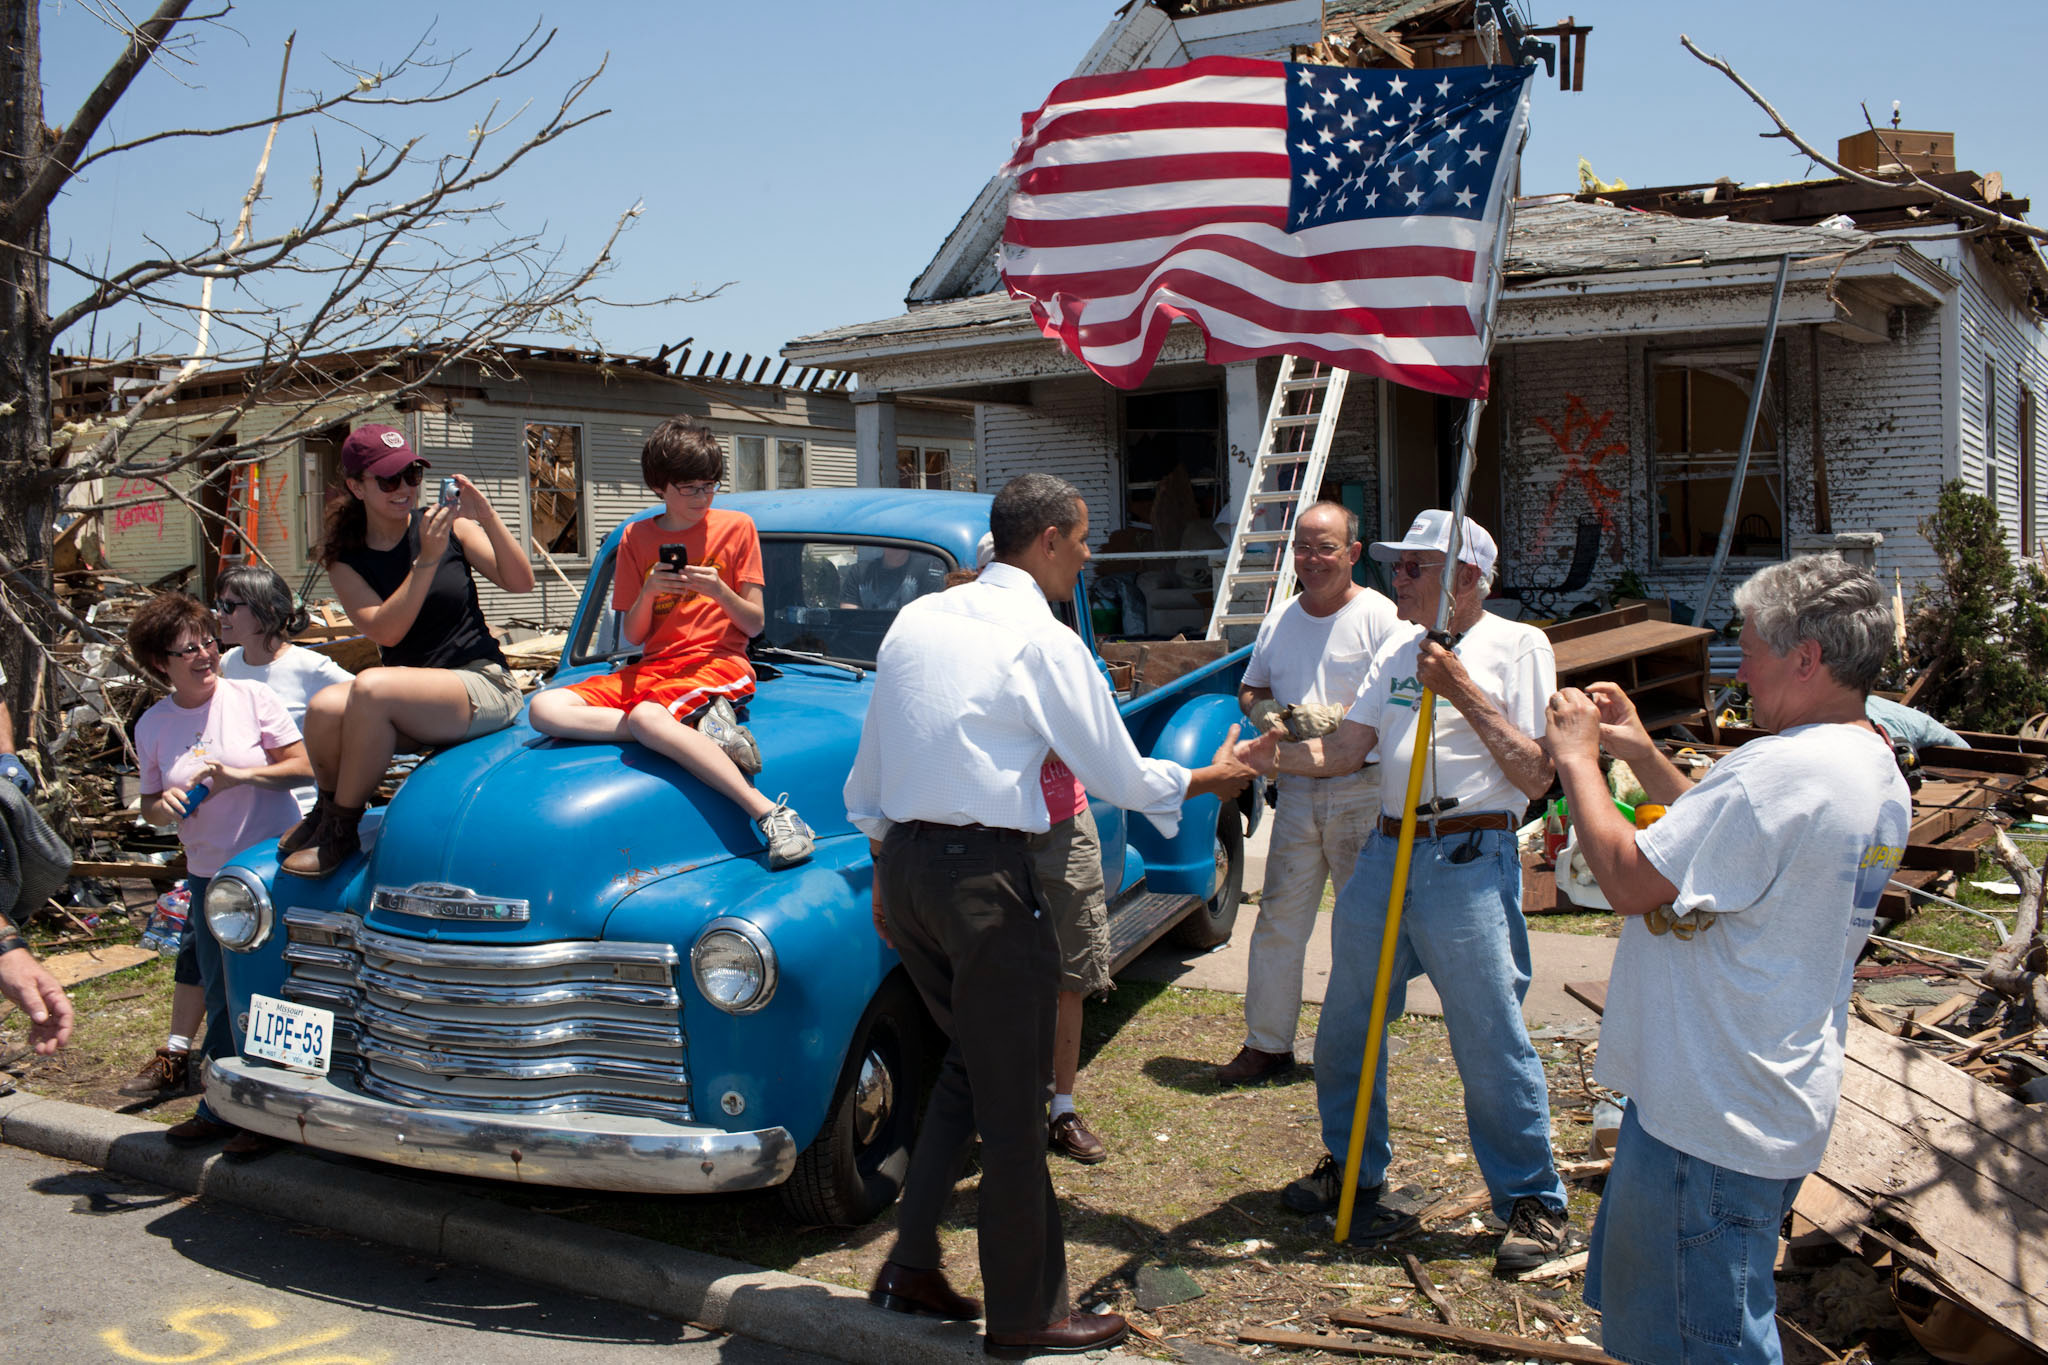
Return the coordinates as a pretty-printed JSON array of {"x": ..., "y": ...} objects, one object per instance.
[{"x": 236, "y": 740}]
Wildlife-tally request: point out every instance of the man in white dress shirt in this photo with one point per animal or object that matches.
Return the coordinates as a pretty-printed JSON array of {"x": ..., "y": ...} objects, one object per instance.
[
  {"x": 1307, "y": 667},
  {"x": 973, "y": 687}
]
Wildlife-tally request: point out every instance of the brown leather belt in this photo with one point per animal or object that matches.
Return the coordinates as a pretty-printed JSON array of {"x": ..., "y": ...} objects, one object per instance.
[{"x": 1426, "y": 828}]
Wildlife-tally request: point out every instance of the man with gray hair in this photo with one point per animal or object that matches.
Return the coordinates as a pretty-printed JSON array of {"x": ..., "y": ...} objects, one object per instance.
[{"x": 1746, "y": 906}]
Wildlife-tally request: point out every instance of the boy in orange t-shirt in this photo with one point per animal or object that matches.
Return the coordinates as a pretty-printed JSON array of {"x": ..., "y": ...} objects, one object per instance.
[{"x": 689, "y": 582}]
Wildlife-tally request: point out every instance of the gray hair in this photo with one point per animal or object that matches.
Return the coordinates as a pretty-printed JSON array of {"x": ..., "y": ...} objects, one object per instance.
[
  {"x": 1830, "y": 601},
  {"x": 1027, "y": 505},
  {"x": 267, "y": 597}
]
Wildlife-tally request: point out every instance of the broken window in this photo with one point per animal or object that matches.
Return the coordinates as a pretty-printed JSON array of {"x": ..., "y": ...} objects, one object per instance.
[
  {"x": 1173, "y": 445},
  {"x": 554, "y": 465},
  {"x": 759, "y": 462},
  {"x": 1698, "y": 402},
  {"x": 928, "y": 466}
]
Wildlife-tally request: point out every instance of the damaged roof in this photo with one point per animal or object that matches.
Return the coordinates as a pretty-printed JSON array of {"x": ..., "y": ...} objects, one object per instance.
[{"x": 1551, "y": 237}]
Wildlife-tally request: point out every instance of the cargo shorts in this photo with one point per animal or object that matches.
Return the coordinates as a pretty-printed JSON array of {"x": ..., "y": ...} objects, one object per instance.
[{"x": 1068, "y": 862}]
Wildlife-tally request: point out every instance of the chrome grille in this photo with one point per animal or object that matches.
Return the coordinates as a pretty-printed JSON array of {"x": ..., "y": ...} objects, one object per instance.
[{"x": 536, "y": 1028}]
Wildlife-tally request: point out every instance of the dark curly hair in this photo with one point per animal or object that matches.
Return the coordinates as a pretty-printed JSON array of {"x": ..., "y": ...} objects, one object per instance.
[
  {"x": 681, "y": 451},
  {"x": 156, "y": 628}
]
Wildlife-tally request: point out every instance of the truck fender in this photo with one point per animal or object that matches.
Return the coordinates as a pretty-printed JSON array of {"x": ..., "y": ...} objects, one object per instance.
[{"x": 1186, "y": 863}]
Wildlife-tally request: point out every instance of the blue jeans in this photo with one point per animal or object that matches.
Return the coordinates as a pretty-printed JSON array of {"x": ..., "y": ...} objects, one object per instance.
[
  {"x": 1463, "y": 926},
  {"x": 219, "y": 1039},
  {"x": 1682, "y": 1255}
]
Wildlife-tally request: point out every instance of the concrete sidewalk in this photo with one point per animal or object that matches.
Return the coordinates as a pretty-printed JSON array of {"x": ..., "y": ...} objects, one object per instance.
[{"x": 1554, "y": 959}]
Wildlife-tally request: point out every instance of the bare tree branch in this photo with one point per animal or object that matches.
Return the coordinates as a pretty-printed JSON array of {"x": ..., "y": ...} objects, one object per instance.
[{"x": 1989, "y": 217}]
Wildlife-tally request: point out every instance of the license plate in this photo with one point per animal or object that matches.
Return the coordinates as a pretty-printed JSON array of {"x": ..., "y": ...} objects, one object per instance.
[{"x": 290, "y": 1034}]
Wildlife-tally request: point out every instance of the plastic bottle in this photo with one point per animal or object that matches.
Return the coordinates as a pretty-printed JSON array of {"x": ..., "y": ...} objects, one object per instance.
[
  {"x": 194, "y": 794},
  {"x": 165, "y": 932}
]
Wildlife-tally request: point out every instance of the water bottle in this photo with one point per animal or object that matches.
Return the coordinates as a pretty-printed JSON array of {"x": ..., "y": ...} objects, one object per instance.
[
  {"x": 165, "y": 932},
  {"x": 194, "y": 794}
]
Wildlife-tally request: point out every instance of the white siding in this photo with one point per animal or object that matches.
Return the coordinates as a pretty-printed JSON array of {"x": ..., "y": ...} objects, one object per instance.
[
  {"x": 1998, "y": 332},
  {"x": 1069, "y": 431},
  {"x": 1883, "y": 431},
  {"x": 833, "y": 460}
]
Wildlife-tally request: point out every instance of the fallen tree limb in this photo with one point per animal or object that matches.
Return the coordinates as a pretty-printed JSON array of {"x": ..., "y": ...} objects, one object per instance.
[
  {"x": 1473, "y": 1338},
  {"x": 1335, "y": 1345}
]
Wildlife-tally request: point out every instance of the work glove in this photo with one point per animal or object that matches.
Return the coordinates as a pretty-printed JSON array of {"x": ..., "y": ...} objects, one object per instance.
[
  {"x": 1311, "y": 720},
  {"x": 15, "y": 771},
  {"x": 1265, "y": 716}
]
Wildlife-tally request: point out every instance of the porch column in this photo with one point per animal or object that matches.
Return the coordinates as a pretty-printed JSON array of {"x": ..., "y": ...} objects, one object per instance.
[
  {"x": 874, "y": 438},
  {"x": 1243, "y": 418}
]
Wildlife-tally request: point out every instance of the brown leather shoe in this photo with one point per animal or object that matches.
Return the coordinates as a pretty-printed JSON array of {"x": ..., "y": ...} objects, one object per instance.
[
  {"x": 308, "y": 828},
  {"x": 337, "y": 843},
  {"x": 900, "y": 1289},
  {"x": 1070, "y": 1137},
  {"x": 165, "y": 1076},
  {"x": 197, "y": 1130},
  {"x": 246, "y": 1145},
  {"x": 1071, "y": 1335},
  {"x": 1250, "y": 1065}
]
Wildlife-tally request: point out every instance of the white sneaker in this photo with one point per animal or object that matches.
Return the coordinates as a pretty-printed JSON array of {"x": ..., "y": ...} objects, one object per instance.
[
  {"x": 789, "y": 838},
  {"x": 719, "y": 725}
]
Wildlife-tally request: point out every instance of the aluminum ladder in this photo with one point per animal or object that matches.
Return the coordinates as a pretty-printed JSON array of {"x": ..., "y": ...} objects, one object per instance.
[{"x": 1286, "y": 478}]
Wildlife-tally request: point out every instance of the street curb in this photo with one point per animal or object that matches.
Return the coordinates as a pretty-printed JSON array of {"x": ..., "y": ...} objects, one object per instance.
[{"x": 711, "y": 1291}]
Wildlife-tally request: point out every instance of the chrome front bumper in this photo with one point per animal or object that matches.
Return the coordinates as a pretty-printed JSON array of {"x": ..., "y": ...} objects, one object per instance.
[{"x": 580, "y": 1150}]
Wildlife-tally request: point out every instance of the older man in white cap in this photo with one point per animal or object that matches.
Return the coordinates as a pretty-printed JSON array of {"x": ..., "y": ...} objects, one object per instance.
[{"x": 1462, "y": 923}]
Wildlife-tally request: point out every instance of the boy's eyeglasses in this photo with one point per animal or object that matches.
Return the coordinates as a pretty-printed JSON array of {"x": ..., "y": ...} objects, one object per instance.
[
  {"x": 410, "y": 476},
  {"x": 206, "y": 645},
  {"x": 695, "y": 490}
]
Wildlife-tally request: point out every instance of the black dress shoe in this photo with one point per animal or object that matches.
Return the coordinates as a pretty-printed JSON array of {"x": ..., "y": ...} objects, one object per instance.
[
  {"x": 900, "y": 1289},
  {"x": 1069, "y": 1336}
]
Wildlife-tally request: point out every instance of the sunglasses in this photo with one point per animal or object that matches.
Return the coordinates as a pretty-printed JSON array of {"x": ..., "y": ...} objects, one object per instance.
[
  {"x": 227, "y": 606},
  {"x": 1408, "y": 568},
  {"x": 207, "y": 645},
  {"x": 410, "y": 476}
]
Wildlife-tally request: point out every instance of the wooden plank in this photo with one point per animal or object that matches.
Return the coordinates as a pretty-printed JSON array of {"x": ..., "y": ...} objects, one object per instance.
[
  {"x": 1623, "y": 642},
  {"x": 72, "y": 968},
  {"x": 1336, "y": 1346},
  {"x": 148, "y": 872},
  {"x": 1503, "y": 1343},
  {"x": 1593, "y": 625},
  {"x": 1982, "y": 760},
  {"x": 1940, "y": 858},
  {"x": 1591, "y": 994}
]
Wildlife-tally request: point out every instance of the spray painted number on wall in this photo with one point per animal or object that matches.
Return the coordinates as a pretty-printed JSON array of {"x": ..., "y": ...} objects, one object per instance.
[{"x": 231, "y": 1334}]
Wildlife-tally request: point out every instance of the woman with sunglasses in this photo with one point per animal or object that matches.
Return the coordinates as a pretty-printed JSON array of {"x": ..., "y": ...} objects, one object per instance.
[
  {"x": 257, "y": 616},
  {"x": 219, "y": 758},
  {"x": 405, "y": 574}
]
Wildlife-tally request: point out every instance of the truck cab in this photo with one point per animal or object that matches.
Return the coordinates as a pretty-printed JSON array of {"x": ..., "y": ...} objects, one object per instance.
[{"x": 567, "y": 963}]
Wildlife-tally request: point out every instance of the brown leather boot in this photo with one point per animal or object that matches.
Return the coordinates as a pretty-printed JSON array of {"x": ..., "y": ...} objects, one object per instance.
[
  {"x": 338, "y": 843},
  {"x": 308, "y": 829}
]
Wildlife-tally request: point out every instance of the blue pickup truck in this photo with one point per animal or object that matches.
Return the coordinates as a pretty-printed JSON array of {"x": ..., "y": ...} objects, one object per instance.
[{"x": 568, "y": 964}]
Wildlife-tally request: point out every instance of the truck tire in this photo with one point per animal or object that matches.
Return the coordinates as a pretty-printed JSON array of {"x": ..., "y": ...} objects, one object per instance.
[
  {"x": 1211, "y": 922},
  {"x": 855, "y": 1166}
]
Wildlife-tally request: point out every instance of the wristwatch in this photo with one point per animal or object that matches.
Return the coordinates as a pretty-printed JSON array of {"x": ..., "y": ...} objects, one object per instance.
[{"x": 10, "y": 943}]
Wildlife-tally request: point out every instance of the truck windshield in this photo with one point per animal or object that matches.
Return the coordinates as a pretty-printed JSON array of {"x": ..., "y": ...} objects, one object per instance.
[{"x": 831, "y": 597}]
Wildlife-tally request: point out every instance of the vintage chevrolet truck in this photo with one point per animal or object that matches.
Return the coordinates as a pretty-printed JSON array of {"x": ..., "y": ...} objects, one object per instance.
[{"x": 568, "y": 964}]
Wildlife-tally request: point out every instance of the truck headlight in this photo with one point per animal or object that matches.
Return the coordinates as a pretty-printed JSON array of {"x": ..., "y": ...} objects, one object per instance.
[
  {"x": 734, "y": 965},
  {"x": 238, "y": 911}
]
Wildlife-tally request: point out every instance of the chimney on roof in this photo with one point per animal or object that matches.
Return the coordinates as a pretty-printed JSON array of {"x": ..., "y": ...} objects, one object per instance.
[{"x": 1895, "y": 151}]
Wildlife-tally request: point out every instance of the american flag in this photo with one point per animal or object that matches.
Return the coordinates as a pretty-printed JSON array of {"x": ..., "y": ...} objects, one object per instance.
[{"x": 1342, "y": 214}]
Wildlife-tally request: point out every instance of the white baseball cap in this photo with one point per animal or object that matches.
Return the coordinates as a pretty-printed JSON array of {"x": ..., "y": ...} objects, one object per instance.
[{"x": 1432, "y": 531}]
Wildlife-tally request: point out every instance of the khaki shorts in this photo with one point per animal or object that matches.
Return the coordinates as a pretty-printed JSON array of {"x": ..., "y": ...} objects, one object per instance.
[
  {"x": 494, "y": 697},
  {"x": 1068, "y": 861}
]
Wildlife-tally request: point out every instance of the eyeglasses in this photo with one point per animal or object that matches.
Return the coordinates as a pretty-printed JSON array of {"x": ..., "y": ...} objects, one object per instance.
[
  {"x": 695, "y": 490},
  {"x": 1414, "y": 568},
  {"x": 227, "y": 606},
  {"x": 1318, "y": 551},
  {"x": 410, "y": 476},
  {"x": 206, "y": 645}
]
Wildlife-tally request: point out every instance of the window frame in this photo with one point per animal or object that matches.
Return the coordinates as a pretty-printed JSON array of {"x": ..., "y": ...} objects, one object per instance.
[
  {"x": 1220, "y": 482},
  {"x": 771, "y": 461},
  {"x": 1709, "y": 358},
  {"x": 581, "y": 557},
  {"x": 924, "y": 449}
]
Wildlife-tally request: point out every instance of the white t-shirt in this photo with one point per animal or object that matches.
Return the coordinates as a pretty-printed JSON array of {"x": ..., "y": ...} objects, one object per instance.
[
  {"x": 1304, "y": 658},
  {"x": 1730, "y": 1042},
  {"x": 295, "y": 676},
  {"x": 1511, "y": 663}
]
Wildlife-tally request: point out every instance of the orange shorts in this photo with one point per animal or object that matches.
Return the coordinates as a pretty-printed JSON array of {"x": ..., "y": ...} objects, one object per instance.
[{"x": 678, "y": 686}]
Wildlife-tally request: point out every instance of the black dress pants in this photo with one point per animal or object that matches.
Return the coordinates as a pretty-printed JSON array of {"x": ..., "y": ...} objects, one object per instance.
[{"x": 963, "y": 909}]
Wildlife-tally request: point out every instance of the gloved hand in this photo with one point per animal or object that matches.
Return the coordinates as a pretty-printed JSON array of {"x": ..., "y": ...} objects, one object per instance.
[
  {"x": 15, "y": 771},
  {"x": 1265, "y": 716},
  {"x": 1312, "y": 719}
]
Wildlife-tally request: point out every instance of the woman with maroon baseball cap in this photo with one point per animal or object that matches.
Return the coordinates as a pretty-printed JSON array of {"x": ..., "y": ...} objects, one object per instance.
[{"x": 405, "y": 575}]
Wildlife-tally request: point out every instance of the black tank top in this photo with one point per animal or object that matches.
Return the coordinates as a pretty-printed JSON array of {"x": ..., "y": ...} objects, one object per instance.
[{"x": 450, "y": 630}]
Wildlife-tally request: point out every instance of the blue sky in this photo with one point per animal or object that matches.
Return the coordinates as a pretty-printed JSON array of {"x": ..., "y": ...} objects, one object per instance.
[{"x": 814, "y": 153}]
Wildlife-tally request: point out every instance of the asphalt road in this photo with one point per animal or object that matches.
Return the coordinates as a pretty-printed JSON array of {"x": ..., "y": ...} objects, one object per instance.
[{"x": 103, "y": 1269}]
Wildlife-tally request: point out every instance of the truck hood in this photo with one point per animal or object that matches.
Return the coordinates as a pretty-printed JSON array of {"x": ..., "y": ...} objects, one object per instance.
[{"x": 573, "y": 828}]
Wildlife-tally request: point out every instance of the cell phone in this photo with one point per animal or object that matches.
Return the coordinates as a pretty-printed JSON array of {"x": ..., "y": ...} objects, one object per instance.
[
  {"x": 451, "y": 492},
  {"x": 677, "y": 557}
]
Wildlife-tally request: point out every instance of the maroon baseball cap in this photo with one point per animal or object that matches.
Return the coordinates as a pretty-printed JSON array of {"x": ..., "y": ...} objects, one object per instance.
[{"x": 375, "y": 450}]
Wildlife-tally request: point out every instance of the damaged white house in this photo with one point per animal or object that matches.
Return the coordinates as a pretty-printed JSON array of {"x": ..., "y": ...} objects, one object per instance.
[{"x": 1627, "y": 344}]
